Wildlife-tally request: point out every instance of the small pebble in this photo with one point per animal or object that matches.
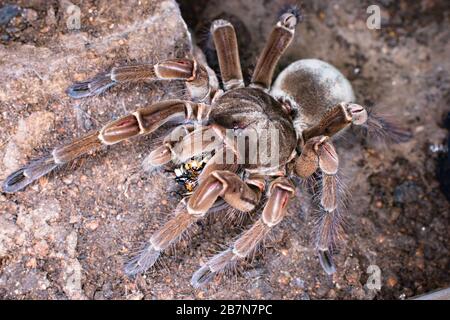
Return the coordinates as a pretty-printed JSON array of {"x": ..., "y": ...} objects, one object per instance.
[
  {"x": 31, "y": 264},
  {"x": 74, "y": 218},
  {"x": 391, "y": 281},
  {"x": 41, "y": 248},
  {"x": 379, "y": 204},
  {"x": 299, "y": 283},
  {"x": 381, "y": 239},
  {"x": 136, "y": 296},
  {"x": 201, "y": 295},
  {"x": 50, "y": 20},
  {"x": 30, "y": 15},
  {"x": 68, "y": 179},
  {"x": 284, "y": 280},
  {"x": 332, "y": 294},
  {"x": 7, "y": 13},
  {"x": 395, "y": 214},
  {"x": 92, "y": 225}
]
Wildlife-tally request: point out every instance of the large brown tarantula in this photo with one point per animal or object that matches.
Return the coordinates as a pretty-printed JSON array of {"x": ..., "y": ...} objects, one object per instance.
[{"x": 308, "y": 105}]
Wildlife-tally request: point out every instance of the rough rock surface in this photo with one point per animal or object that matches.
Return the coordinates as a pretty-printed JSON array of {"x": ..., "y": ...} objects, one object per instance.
[
  {"x": 67, "y": 235},
  {"x": 53, "y": 233}
]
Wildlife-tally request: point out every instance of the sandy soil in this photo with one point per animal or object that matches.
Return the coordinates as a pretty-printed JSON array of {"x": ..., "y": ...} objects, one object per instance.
[{"x": 68, "y": 235}]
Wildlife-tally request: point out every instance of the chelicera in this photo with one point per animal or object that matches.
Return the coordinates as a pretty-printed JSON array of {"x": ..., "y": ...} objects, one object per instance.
[{"x": 306, "y": 108}]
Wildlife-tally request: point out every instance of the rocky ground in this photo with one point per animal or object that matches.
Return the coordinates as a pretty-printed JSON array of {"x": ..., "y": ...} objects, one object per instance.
[{"x": 67, "y": 236}]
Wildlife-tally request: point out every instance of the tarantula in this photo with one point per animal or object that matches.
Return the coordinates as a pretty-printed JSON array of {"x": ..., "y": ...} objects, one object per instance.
[{"x": 309, "y": 104}]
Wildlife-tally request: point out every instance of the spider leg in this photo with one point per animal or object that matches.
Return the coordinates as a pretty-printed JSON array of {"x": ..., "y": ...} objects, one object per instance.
[
  {"x": 344, "y": 114},
  {"x": 141, "y": 122},
  {"x": 279, "y": 40},
  {"x": 380, "y": 127},
  {"x": 220, "y": 183},
  {"x": 319, "y": 153},
  {"x": 241, "y": 195},
  {"x": 195, "y": 76},
  {"x": 280, "y": 191},
  {"x": 328, "y": 224},
  {"x": 160, "y": 240},
  {"x": 337, "y": 119},
  {"x": 224, "y": 37},
  {"x": 183, "y": 143},
  {"x": 163, "y": 153}
]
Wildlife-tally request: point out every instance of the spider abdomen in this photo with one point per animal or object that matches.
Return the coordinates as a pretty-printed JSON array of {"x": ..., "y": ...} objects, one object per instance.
[{"x": 312, "y": 87}]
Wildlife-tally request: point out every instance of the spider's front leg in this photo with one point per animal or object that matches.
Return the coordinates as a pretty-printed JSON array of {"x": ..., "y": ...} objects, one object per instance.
[
  {"x": 279, "y": 40},
  {"x": 225, "y": 184},
  {"x": 280, "y": 191},
  {"x": 195, "y": 76},
  {"x": 226, "y": 45},
  {"x": 141, "y": 122}
]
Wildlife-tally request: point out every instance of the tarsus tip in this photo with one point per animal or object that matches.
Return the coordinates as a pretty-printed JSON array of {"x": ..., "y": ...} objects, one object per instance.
[
  {"x": 294, "y": 10},
  {"x": 78, "y": 90},
  {"x": 326, "y": 261},
  {"x": 91, "y": 87},
  {"x": 202, "y": 277},
  {"x": 19, "y": 179},
  {"x": 15, "y": 181},
  {"x": 142, "y": 261}
]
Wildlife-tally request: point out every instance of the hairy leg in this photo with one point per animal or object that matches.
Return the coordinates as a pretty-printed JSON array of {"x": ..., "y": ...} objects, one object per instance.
[
  {"x": 225, "y": 41},
  {"x": 143, "y": 121},
  {"x": 345, "y": 114},
  {"x": 280, "y": 191},
  {"x": 336, "y": 119},
  {"x": 328, "y": 223},
  {"x": 195, "y": 76},
  {"x": 184, "y": 143},
  {"x": 318, "y": 153},
  {"x": 279, "y": 40},
  {"x": 225, "y": 184}
]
